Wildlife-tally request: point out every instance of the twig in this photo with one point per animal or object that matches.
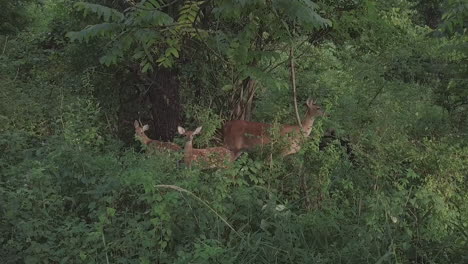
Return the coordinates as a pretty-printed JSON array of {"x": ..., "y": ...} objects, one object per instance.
[
  {"x": 219, "y": 56},
  {"x": 177, "y": 188},
  {"x": 270, "y": 69},
  {"x": 16, "y": 76},
  {"x": 375, "y": 97},
  {"x": 252, "y": 89},
  {"x": 293, "y": 84},
  {"x": 61, "y": 107},
  {"x": 105, "y": 246},
  {"x": 4, "y": 46},
  {"x": 305, "y": 189}
]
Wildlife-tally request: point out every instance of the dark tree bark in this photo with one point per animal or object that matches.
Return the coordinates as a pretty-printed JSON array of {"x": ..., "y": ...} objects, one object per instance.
[
  {"x": 430, "y": 11},
  {"x": 164, "y": 95}
]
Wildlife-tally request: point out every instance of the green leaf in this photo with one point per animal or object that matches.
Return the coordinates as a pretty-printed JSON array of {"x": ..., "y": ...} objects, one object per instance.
[
  {"x": 302, "y": 11},
  {"x": 101, "y": 30},
  {"x": 147, "y": 67},
  {"x": 227, "y": 87},
  {"x": 106, "y": 13},
  {"x": 111, "y": 211},
  {"x": 172, "y": 51},
  {"x": 154, "y": 18}
]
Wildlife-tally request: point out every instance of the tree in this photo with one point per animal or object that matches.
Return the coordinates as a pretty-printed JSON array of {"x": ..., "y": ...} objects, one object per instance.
[{"x": 235, "y": 38}]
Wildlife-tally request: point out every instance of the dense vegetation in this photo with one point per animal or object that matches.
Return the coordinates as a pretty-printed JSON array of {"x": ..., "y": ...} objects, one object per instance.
[{"x": 381, "y": 179}]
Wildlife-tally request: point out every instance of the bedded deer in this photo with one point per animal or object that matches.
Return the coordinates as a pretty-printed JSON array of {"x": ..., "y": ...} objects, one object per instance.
[
  {"x": 216, "y": 157},
  {"x": 151, "y": 143},
  {"x": 241, "y": 135}
]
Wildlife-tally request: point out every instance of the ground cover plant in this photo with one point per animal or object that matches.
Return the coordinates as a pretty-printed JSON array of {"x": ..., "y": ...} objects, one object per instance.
[{"x": 382, "y": 177}]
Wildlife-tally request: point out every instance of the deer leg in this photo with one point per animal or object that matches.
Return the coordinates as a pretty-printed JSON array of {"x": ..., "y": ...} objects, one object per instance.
[{"x": 237, "y": 153}]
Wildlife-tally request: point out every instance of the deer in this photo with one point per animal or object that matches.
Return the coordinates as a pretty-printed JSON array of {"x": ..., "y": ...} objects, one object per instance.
[
  {"x": 241, "y": 135},
  {"x": 215, "y": 157},
  {"x": 154, "y": 144}
]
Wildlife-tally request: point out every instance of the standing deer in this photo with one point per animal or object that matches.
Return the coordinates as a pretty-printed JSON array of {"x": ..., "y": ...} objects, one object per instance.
[
  {"x": 155, "y": 144},
  {"x": 241, "y": 135},
  {"x": 209, "y": 158}
]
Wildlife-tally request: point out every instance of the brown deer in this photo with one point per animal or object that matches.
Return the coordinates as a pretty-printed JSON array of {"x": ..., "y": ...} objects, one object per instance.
[
  {"x": 154, "y": 144},
  {"x": 216, "y": 157},
  {"x": 241, "y": 135}
]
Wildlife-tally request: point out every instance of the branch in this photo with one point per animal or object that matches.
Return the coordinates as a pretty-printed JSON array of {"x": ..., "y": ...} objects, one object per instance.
[
  {"x": 293, "y": 84},
  {"x": 182, "y": 190},
  {"x": 286, "y": 60},
  {"x": 4, "y": 46},
  {"x": 375, "y": 96},
  {"x": 202, "y": 41}
]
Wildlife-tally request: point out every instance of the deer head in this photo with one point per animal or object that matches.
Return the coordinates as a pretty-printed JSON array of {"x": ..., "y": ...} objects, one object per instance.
[
  {"x": 189, "y": 134},
  {"x": 143, "y": 138},
  {"x": 211, "y": 157},
  {"x": 313, "y": 109},
  {"x": 140, "y": 132}
]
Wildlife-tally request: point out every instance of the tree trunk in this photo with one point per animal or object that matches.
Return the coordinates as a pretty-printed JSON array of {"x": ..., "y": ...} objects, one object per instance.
[
  {"x": 164, "y": 95},
  {"x": 242, "y": 105}
]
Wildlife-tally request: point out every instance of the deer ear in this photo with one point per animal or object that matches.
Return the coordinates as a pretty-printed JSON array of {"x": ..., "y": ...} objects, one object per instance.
[
  {"x": 198, "y": 130},
  {"x": 145, "y": 127},
  {"x": 136, "y": 124},
  {"x": 310, "y": 102},
  {"x": 181, "y": 130}
]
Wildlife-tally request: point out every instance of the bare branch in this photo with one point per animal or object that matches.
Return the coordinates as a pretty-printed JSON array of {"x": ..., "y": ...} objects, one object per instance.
[{"x": 293, "y": 84}]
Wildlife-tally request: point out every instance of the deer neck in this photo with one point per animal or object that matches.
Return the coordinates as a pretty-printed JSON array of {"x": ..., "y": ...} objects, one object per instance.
[
  {"x": 188, "y": 149},
  {"x": 145, "y": 139},
  {"x": 307, "y": 124}
]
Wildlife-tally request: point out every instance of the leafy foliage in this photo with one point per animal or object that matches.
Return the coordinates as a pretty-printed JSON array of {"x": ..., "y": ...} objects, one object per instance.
[
  {"x": 455, "y": 18},
  {"x": 13, "y": 16},
  {"x": 147, "y": 26},
  {"x": 388, "y": 185}
]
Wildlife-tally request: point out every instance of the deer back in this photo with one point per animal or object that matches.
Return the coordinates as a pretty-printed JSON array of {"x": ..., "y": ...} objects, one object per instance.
[
  {"x": 240, "y": 135},
  {"x": 216, "y": 157},
  {"x": 164, "y": 145}
]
